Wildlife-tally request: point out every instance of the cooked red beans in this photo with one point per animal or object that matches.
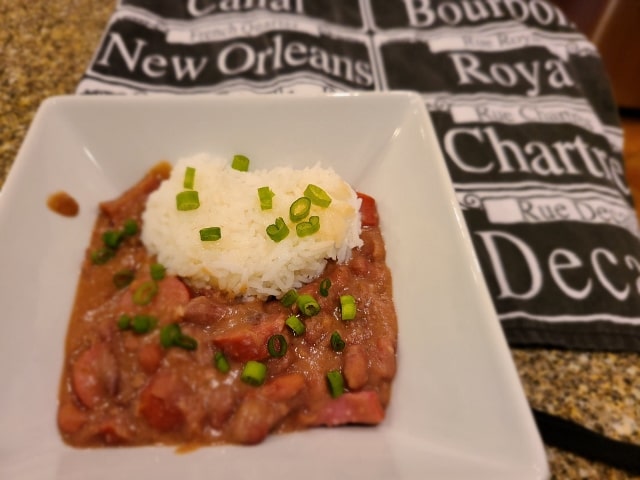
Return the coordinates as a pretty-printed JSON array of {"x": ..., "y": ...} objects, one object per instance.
[{"x": 122, "y": 386}]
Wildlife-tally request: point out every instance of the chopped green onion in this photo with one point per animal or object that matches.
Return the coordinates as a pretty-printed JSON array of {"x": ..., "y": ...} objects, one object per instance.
[
  {"x": 308, "y": 305},
  {"x": 277, "y": 346},
  {"x": 304, "y": 229},
  {"x": 112, "y": 238},
  {"x": 210, "y": 234},
  {"x": 187, "y": 200},
  {"x": 189, "y": 177},
  {"x": 123, "y": 278},
  {"x": 143, "y": 323},
  {"x": 157, "y": 271},
  {"x": 139, "y": 324},
  {"x": 336, "y": 383},
  {"x": 124, "y": 322},
  {"x": 254, "y": 373},
  {"x": 299, "y": 209},
  {"x": 169, "y": 334},
  {"x": 186, "y": 342},
  {"x": 266, "y": 198},
  {"x": 348, "y": 307},
  {"x": 289, "y": 298},
  {"x": 317, "y": 196},
  {"x": 324, "y": 287},
  {"x": 102, "y": 255},
  {"x": 295, "y": 324},
  {"x": 130, "y": 228},
  {"x": 172, "y": 336},
  {"x": 278, "y": 231},
  {"x": 221, "y": 362},
  {"x": 337, "y": 343},
  {"x": 240, "y": 163},
  {"x": 347, "y": 299},
  {"x": 145, "y": 293}
]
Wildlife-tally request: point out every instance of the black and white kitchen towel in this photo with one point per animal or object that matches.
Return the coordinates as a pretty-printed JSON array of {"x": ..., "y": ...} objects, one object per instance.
[{"x": 521, "y": 105}]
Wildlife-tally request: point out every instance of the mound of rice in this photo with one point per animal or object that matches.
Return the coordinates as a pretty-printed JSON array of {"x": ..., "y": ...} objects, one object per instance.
[{"x": 245, "y": 261}]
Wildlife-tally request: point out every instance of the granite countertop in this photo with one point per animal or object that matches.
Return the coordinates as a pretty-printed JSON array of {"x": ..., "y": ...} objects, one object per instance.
[{"x": 45, "y": 47}]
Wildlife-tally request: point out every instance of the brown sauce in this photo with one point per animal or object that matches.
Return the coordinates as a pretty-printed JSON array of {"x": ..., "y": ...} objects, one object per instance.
[
  {"x": 63, "y": 204},
  {"x": 119, "y": 387}
]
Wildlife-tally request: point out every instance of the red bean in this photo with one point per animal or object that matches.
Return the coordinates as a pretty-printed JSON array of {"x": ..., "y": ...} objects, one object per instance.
[{"x": 356, "y": 366}]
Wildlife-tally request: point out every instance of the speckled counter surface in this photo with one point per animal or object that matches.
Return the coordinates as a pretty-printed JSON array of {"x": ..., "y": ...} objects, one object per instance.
[{"x": 45, "y": 47}]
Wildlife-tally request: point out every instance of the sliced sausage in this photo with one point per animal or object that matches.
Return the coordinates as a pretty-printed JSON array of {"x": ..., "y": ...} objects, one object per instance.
[
  {"x": 352, "y": 407},
  {"x": 160, "y": 401},
  {"x": 247, "y": 341},
  {"x": 167, "y": 304},
  {"x": 204, "y": 311},
  {"x": 262, "y": 411},
  {"x": 94, "y": 375}
]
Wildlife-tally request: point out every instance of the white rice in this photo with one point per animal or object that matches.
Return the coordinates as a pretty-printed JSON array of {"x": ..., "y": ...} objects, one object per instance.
[{"x": 245, "y": 261}]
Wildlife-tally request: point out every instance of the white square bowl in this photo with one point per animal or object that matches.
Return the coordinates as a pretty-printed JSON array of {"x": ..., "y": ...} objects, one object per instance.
[{"x": 457, "y": 409}]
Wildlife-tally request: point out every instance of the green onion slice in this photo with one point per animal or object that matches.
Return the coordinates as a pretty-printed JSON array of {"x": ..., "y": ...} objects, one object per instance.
[
  {"x": 324, "y": 287},
  {"x": 169, "y": 334},
  {"x": 240, "y": 163},
  {"x": 143, "y": 323},
  {"x": 187, "y": 200},
  {"x": 130, "y": 228},
  {"x": 308, "y": 305},
  {"x": 124, "y": 322},
  {"x": 172, "y": 336},
  {"x": 345, "y": 299},
  {"x": 186, "y": 342},
  {"x": 348, "y": 307},
  {"x": 277, "y": 346},
  {"x": 189, "y": 177},
  {"x": 336, "y": 383},
  {"x": 265, "y": 194},
  {"x": 337, "y": 343},
  {"x": 102, "y": 255},
  {"x": 299, "y": 209},
  {"x": 112, "y": 238},
  {"x": 157, "y": 271},
  {"x": 289, "y": 298},
  {"x": 295, "y": 324},
  {"x": 145, "y": 293},
  {"x": 254, "y": 373},
  {"x": 317, "y": 196},
  {"x": 210, "y": 234},
  {"x": 304, "y": 229},
  {"x": 221, "y": 362},
  {"x": 278, "y": 231},
  {"x": 123, "y": 278}
]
